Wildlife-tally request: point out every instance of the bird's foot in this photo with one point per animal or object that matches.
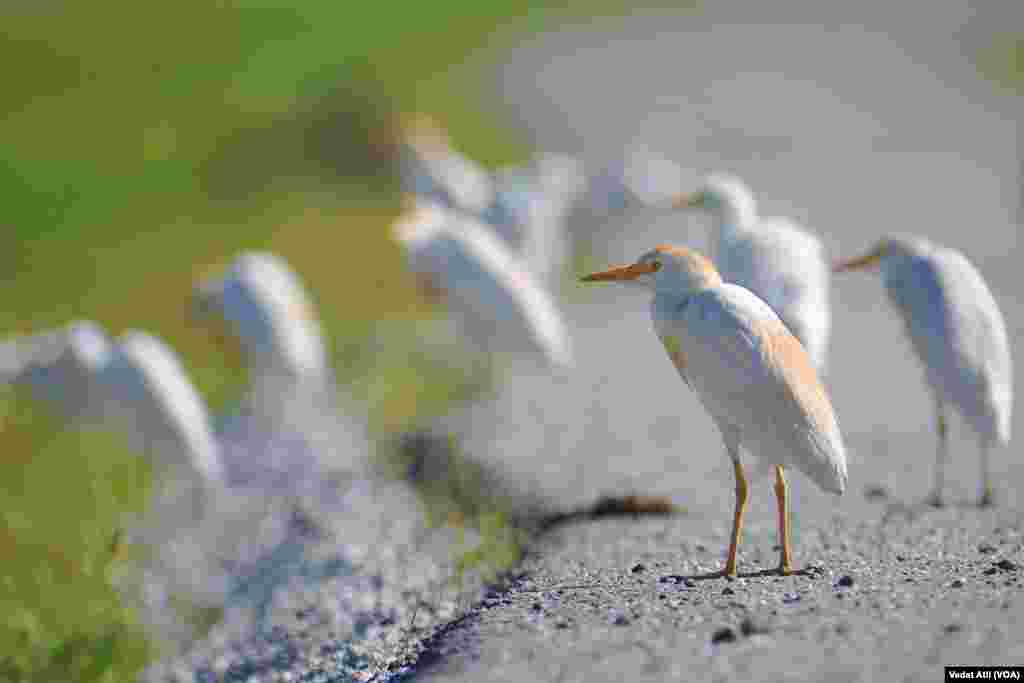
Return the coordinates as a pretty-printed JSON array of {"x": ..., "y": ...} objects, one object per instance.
[
  {"x": 729, "y": 572},
  {"x": 786, "y": 569},
  {"x": 987, "y": 499},
  {"x": 935, "y": 500}
]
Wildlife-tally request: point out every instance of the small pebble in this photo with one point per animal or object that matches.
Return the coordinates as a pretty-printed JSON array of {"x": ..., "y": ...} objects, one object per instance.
[
  {"x": 617, "y": 618},
  {"x": 957, "y": 583},
  {"x": 723, "y": 635},
  {"x": 952, "y": 628},
  {"x": 845, "y": 581},
  {"x": 750, "y": 626},
  {"x": 1007, "y": 565},
  {"x": 875, "y": 492},
  {"x": 986, "y": 549},
  {"x": 789, "y": 598},
  {"x": 637, "y": 568},
  {"x": 727, "y": 591},
  {"x": 990, "y": 571}
]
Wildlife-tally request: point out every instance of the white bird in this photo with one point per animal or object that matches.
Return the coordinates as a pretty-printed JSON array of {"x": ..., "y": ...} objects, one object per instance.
[
  {"x": 772, "y": 257},
  {"x": 751, "y": 374},
  {"x": 135, "y": 384},
  {"x": 433, "y": 169},
  {"x": 530, "y": 208},
  {"x": 499, "y": 304},
  {"x": 957, "y": 331},
  {"x": 291, "y": 413}
]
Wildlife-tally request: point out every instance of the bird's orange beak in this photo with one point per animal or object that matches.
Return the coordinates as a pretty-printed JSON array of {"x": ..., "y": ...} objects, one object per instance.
[
  {"x": 868, "y": 260},
  {"x": 621, "y": 273},
  {"x": 687, "y": 200}
]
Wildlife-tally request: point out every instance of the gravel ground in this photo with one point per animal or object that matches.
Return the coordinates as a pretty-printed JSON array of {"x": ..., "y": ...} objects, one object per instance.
[{"x": 893, "y": 593}]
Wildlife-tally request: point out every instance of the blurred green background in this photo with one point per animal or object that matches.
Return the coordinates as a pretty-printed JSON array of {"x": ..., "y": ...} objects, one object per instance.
[{"x": 141, "y": 146}]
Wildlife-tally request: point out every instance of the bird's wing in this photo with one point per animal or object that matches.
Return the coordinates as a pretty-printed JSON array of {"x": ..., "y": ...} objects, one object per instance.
[
  {"x": 786, "y": 267},
  {"x": 779, "y": 262},
  {"x": 162, "y": 408},
  {"x": 510, "y": 292},
  {"x": 752, "y": 373},
  {"x": 978, "y": 346},
  {"x": 486, "y": 281}
]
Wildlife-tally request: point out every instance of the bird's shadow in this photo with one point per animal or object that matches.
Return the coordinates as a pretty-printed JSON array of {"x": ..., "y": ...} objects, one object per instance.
[
  {"x": 810, "y": 572},
  {"x": 913, "y": 511}
]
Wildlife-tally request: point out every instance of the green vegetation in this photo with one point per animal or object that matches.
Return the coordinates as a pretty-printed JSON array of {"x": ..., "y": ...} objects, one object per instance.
[{"x": 63, "y": 497}]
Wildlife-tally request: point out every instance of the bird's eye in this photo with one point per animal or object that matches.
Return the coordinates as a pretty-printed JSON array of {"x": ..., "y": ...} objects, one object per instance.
[{"x": 655, "y": 266}]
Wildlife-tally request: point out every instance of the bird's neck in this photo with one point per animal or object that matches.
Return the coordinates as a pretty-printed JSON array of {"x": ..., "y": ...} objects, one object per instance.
[{"x": 736, "y": 217}]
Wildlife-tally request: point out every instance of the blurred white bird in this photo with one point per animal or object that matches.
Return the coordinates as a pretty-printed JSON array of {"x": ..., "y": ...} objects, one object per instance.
[
  {"x": 526, "y": 206},
  {"x": 772, "y": 257},
  {"x": 292, "y": 418},
  {"x": 958, "y": 333},
  {"x": 530, "y": 208},
  {"x": 499, "y": 304},
  {"x": 433, "y": 169},
  {"x": 752, "y": 375},
  {"x": 136, "y": 385}
]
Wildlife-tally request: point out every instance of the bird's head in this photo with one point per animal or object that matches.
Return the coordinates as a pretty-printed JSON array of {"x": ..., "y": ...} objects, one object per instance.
[
  {"x": 664, "y": 269},
  {"x": 720, "y": 193}
]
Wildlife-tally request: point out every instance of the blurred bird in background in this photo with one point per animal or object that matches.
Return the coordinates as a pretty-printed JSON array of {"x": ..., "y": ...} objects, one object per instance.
[
  {"x": 774, "y": 258},
  {"x": 752, "y": 375},
  {"x": 135, "y": 384},
  {"x": 958, "y": 333},
  {"x": 292, "y": 420},
  {"x": 498, "y": 303}
]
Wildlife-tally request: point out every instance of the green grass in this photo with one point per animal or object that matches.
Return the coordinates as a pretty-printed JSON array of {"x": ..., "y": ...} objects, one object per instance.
[{"x": 60, "y": 616}]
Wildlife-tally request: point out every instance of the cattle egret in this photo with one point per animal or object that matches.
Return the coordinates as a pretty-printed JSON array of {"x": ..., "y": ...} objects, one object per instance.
[
  {"x": 135, "y": 384},
  {"x": 957, "y": 331},
  {"x": 291, "y": 411},
  {"x": 270, "y": 313},
  {"x": 772, "y": 257},
  {"x": 499, "y": 304},
  {"x": 529, "y": 211},
  {"x": 433, "y": 169},
  {"x": 751, "y": 374}
]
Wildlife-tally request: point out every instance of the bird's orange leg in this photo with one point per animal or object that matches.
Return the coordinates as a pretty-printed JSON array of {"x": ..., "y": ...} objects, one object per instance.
[
  {"x": 781, "y": 491},
  {"x": 737, "y": 522}
]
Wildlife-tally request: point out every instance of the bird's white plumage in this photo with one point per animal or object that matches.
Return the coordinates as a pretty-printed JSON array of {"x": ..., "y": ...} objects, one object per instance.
[
  {"x": 772, "y": 257},
  {"x": 291, "y": 418},
  {"x": 270, "y": 311},
  {"x": 559, "y": 182},
  {"x": 153, "y": 389},
  {"x": 434, "y": 169},
  {"x": 747, "y": 377},
  {"x": 956, "y": 329},
  {"x": 499, "y": 302},
  {"x": 135, "y": 384}
]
